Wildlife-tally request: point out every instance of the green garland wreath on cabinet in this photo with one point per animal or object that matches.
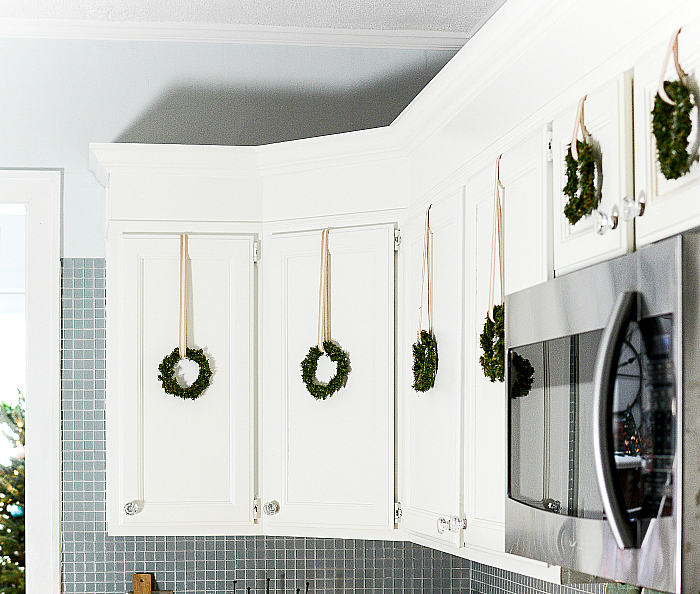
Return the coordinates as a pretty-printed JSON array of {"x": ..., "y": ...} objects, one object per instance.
[
  {"x": 492, "y": 342},
  {"x": 580, "y": 184},
  {"x": 170, "y": 383},
  {"x": 309, "y": 365},
  {"x": 425, "y": 361},
  {"x": 671, "y": 126}
]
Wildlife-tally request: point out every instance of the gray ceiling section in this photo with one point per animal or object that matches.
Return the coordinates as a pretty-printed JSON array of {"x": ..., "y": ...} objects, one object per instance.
[
  {"x": 418, "y": 15},
  {"x": 239, "y": 115}
]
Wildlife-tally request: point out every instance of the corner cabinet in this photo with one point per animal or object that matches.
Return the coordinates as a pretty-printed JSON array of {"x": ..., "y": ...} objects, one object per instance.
[
  {"x": 328, "y": 465},
  {"x": 185, "y": 466}
]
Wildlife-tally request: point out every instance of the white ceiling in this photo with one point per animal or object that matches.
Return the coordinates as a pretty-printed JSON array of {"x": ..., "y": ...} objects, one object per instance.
[{"x": 456, "y": 16}]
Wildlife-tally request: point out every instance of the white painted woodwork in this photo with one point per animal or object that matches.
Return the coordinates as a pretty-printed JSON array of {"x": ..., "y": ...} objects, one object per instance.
[
  {"x": 329, "y": 463},
  {"x": 39, "y": 191},
  {"x": 157, "y": 442},
  {"x": 608, "y": 118},
  {"x": 485, "y": 407},
  {"x": 432, "y": 422},
  {"x": 672, "y": 206},
  {"x": 525, "y": 204}
]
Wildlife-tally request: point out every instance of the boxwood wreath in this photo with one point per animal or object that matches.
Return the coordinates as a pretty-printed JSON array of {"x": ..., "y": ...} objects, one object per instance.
[
  {"x": 671, "y": 126},
  {"x": 309, "y": 365},
  {"x": 492, "y": 342},
  {"x": 170, "y": 383},
  {"x": 425, "y": 361},
  {"x": 580, "y": 185}
]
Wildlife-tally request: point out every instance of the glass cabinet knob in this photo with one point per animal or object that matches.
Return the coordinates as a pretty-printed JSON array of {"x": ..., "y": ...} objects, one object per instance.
[
  {"x": 271, "y": 507},
  {"x": 456, "y": 524},
  {"x": 132, "y": 508}
]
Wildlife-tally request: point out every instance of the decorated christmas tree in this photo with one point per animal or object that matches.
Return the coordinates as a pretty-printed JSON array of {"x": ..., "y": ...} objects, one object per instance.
[{"x": 12, "y": 577}]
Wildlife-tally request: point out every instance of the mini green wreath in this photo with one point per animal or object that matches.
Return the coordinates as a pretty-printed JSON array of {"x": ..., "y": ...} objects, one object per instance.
[
  {"x": 521, "y": 376},
  {"x": 493, "y": 345},
  {"x": 317, "y": 389},
  {"x": 171, "y": 385},
  {"x": 580, "y": 186},
  {"x": 425, "y": 361},
  {"x": 671, "y": 125}
]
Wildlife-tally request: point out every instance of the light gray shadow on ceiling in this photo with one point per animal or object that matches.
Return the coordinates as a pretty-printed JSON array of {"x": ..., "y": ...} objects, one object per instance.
[{"x": 200, "y": 114}]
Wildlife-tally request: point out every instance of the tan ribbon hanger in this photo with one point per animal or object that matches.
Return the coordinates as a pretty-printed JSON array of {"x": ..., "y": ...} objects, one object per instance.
[
  {"x": 683, "y": 77},
  {"x": 324, "y": 293},
  {"x": 579, "y": 123},
  {"x": 426, "y": 271},
  {"x": 496, "y": 239},
  {"x": 183, "y": 295}
]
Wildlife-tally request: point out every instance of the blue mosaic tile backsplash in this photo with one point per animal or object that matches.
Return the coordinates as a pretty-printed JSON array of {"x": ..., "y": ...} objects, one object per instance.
[{"x": 94, "y": 562}]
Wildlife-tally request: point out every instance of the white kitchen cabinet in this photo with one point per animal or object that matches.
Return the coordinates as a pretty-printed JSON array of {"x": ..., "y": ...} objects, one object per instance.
[
  {"x": 187, "y": 464},
  {"x": 672, "y": 206},
  {"x": 523, "y": 172},
  {"x": 485, "y": 420},
  {"x": 525, "y": 203},
  {"x": 431, "y": 444},
  {"x": 453, "y": 436},
  {"x": 608, "y": 118},
  {"x": 329, "y": 464}
]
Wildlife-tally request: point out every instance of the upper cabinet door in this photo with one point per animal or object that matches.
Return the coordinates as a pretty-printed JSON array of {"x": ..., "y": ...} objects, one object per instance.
[
  {"x": 608, "y": 118},
  {"x": 432, "y": 422},
  {"x": 523, "y": 173},
  {"x": 484, "y": 484},
  {"x": 671, "y": 205},
  {"x": 157, "y": 442},
  {"x": 329, "y": 464}
]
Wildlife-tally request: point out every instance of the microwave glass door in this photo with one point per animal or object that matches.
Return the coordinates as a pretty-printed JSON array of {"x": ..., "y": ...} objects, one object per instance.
[
  {"x": 551, "y": 464},
  {"x": 550, "y": 435}
]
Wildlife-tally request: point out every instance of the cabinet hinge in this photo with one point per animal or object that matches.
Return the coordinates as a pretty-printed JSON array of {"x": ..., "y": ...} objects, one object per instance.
[
  {"x": 397, "y": 512},
  {"x": 256, "y": 508},
  {"x": 548, "y": 148},
  {"x": 397, "y": 239},
  {"x": 256, "y": 251}
]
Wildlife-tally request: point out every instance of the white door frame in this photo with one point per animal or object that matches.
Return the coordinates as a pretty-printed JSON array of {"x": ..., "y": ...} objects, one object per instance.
[{"x": 40, "y": 192}]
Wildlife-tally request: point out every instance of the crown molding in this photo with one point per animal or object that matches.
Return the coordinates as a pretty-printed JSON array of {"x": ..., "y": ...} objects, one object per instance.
[
  {"x": 348, "y": 148},
  {"x": 172, "y": 159},
  {"x": 516, "y": 26},
  {"x": 218, "y": 33}
]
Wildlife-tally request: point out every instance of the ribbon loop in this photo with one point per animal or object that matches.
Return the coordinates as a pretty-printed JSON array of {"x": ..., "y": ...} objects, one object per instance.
[
  {"x": 324, "y": 293},
  {"x": 426, "y": 271},
  {"x": 497, "y": 239},
  {"x": 682, "y": 76},
  {"x": 183, "y": 295},
  {"x": 579, "y": 123}
]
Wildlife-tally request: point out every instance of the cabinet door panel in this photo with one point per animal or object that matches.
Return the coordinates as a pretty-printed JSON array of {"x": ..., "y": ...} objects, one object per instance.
[
  {"x": 485, "y": 406},
  {"x": 432, "y": 421},
  {"x": 330, "y": 463},
  {"x": 608, "y": 116},
  {"x": 525, "y": 216},
  {"x": 158, "y": 442},
  {"x": 672, "y": 206}
]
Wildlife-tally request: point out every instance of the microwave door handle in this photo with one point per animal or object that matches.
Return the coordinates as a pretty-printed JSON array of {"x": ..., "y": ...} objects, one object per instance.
[{"x": 603, "y": 389}]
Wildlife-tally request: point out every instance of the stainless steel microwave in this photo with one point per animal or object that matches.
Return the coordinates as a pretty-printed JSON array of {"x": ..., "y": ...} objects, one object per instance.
[{"x": 603, "y": 400}]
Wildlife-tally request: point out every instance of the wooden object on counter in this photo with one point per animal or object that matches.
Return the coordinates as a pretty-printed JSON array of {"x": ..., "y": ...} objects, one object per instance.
[{"x": 141, "y": 583}]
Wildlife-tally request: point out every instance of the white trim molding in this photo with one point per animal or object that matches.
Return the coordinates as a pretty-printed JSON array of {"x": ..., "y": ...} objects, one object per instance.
[
  {"x": 229, "y": 33},
  {"x": 40, "y": 192}
]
